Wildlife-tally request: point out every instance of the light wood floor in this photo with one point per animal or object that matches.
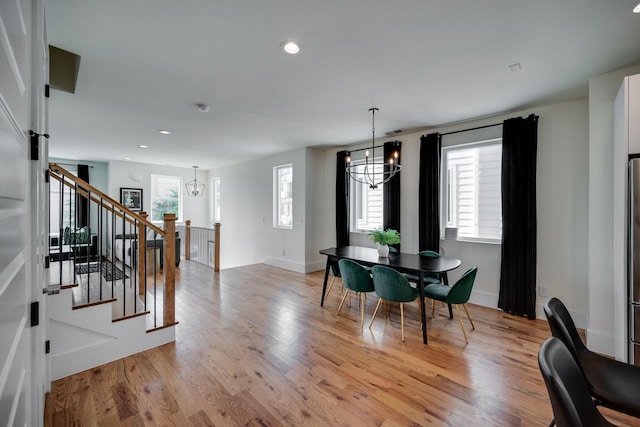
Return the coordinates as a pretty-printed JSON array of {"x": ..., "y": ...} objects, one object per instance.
[{"x": 254, "y": 347}]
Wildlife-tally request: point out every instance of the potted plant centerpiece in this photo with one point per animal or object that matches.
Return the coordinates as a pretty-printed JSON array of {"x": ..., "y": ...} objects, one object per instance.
[{"x": 384, "y": 238}]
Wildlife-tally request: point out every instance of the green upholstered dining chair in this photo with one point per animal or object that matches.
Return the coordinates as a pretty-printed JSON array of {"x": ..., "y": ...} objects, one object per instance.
[
  {"x": 430, "y": 277},
  {"x": 392, "y": 286},
  {"x": 355, "y": 278},
  {"x": 456, "y": 295}
]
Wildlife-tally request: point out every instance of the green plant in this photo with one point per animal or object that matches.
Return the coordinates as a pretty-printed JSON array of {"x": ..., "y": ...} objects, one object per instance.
[{"x": 385, "y": 237}]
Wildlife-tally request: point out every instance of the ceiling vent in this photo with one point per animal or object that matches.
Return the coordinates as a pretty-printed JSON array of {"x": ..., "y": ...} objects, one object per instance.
[
  {"x": 63, "y": 69},
  {"x": 394, "y": 132}
]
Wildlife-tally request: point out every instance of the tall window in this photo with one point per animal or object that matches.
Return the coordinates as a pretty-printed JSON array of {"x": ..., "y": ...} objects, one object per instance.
[
  {"x": 166, "y": 196},
  {"x": 366, "y": 204},
  {"x": 283, "y": 196},
  {"x": 216, "y": 199},
  {"x": 472, "y": 190}
]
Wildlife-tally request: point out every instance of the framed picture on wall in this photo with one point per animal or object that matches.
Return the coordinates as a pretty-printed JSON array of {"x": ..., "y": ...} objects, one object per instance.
[{"x": 131, "y": 198}]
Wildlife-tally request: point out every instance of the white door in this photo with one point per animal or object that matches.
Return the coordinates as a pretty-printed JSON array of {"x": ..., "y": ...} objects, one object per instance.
[{"x": 22, "y": 346}]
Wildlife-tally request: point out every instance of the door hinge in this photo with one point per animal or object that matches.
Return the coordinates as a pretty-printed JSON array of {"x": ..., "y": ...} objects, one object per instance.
[
  {"x": 46, "y": 91},
  {"x": 35, "y": 145},
  {"x": 51, "y": 290},
  {"x": 46, "y": 176},
  {"x": 35, "y": 313},
  {"x": 47, "y": 346},
  {"x": 47, "y": 261}
]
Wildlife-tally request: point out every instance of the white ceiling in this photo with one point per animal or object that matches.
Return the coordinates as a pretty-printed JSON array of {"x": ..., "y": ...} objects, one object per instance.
[{"x": 145, "y": 63}]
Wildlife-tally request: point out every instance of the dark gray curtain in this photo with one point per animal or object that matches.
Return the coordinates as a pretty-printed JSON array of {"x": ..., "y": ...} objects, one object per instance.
[
  {"x": 342, "y": 200},
  {"x": 518, "y": 268},
  {"x": 429, "y": 193},
  {"x": 82, "y": 203},
  {"x": 391, "y": 191}
]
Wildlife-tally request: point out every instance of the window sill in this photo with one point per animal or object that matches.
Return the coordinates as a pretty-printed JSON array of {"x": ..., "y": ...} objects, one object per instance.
[{"x": 476, "y": 240}]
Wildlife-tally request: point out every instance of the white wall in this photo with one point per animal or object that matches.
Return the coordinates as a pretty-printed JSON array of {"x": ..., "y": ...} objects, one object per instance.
[
  {"x": 246, "y": 214},
  {"x": 602, "y": 92},
  {"x": 138, "y": 175}
]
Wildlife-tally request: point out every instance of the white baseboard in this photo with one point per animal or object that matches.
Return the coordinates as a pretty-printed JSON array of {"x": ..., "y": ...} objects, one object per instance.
[
  {"x": 487, "y": 299},
  {"x": 285, "y": 263},
  {"x": 600, "y": 342}
]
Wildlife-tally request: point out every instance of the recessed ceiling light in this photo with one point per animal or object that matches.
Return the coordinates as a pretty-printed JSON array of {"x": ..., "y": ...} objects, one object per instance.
[
  {"x": 126, "y": 158},
  {"x": 290, "y": 47},
  {"x": 636, "y": 8},
  {"x": 143, "y": 146},
  {"x": 164, "y": 132}
]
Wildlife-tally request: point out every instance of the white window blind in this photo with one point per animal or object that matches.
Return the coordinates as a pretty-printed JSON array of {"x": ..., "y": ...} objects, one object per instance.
[
  {"x": 366, "y": 204},
  {"x": 283, "y": 196},
  {"x": 472, "y": 190}
]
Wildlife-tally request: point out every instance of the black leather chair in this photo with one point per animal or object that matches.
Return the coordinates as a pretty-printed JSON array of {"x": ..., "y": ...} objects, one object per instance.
[
  {"x": 613, "y": 384},
  {"x": 568, "y": 391}
]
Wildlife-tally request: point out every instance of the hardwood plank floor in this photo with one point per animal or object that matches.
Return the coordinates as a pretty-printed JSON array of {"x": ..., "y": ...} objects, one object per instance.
[{"x": 254, "y": 347}]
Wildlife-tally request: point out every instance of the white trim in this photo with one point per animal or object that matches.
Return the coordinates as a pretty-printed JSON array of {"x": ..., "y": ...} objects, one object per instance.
[
  {"x": 286, "y": 264},
  {"x": 12, "y": 352},
  {"x": 10, "y": 272},
  {"x": 11, "y": 57},
  {"x": 5, "y": 113},
  {"x": 16, "y": 398}
]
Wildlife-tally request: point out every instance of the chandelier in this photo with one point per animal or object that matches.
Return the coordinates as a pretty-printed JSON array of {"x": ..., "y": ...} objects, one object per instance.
[
  {"x": 373, "y": 172},
  {"x": 195, "y": 188}
]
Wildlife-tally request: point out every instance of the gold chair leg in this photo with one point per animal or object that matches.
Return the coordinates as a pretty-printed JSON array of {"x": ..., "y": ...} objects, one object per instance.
[
  {"x": 346, "y": 291},
  {"x": 433, "y": 308},
  {"x": 330, "y": 285},
  {"x": 469, "y": 316},
  {"x": 362, "y": 302},
  {"x": 461, "y": 324},
  {"x": 375, "y": 312},
  {"x": 402, "y": 320}
]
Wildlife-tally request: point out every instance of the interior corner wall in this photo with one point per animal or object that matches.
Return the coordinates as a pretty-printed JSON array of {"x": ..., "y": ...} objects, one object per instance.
[
  {"x": 314, "y": 224},
  {"x": 248, "y": 235},
  {"x": 601, "y": 323}
]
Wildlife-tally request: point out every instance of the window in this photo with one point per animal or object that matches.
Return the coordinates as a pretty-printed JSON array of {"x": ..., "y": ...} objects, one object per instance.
[
  {"x": 283, "y": 196},
  {"x": 216, "y": 198},
  {"x": 471, "y": 190},
  {"x": 166, "y": 196},
  {"x": 68, "y": 205},
  {"x": 366, "y": 204}
]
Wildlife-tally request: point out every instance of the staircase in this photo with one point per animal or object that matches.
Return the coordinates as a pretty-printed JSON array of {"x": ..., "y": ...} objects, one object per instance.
[{"x": 111, "y": 293}]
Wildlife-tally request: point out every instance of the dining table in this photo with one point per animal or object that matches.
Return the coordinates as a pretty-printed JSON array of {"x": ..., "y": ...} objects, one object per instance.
[{"x": 408, "y": 263}]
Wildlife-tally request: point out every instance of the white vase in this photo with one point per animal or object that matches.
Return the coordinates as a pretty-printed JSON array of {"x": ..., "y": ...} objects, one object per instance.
[{"x": 383, "y": 250}]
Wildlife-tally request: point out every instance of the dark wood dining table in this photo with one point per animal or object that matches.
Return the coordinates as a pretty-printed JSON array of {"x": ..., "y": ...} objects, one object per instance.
[{"x": 402, "y": 262}]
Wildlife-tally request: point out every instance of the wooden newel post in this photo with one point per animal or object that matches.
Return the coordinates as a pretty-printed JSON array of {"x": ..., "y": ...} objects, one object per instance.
[
  {"x": 169, "y": 269},
  {"x": 187, "y": 240},
  {"x": 142, "y": 255},
  {"x": 216, "y": 259}
]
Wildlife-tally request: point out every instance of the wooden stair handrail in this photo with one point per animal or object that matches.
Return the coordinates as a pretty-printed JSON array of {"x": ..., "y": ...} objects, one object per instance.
[{"x": 91, "y": 189}]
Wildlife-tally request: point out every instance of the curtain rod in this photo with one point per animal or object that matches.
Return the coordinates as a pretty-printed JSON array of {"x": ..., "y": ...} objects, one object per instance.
[{"x": 470, "y": 129}]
